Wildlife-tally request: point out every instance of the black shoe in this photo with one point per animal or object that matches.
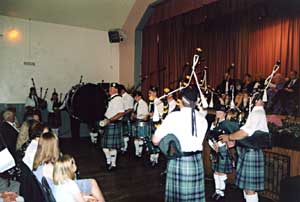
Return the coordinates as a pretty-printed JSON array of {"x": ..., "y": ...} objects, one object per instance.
[
  {"x": 109, "y": 167},
  {"x": 214, "y": 195},
  {"x": 219, "y": 198}
]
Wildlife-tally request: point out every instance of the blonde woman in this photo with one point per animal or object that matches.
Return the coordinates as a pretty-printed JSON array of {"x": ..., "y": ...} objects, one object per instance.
[
  {"x": 46, "y": 156},
  {"x": 65, "y": 188}
]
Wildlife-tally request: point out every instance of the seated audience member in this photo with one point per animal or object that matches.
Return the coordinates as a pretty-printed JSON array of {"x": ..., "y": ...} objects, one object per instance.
[
  {"x": 247, "y": 83},
  {"x": 9, "y": 131},
  {"x": 287, "y": 97},
  {"x": 37, "y": 116},
  {"x": 276, "y": 85},
  {"x": 9, "y": 189},
  {"x": 47, "y": 154},
  {"x": 65, "y": 188},
  {"x": 27, "y": 142}
]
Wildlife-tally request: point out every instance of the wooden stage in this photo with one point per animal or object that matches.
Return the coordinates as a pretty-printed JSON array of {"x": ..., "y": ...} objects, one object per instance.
[{"x": 134, "y": 180}]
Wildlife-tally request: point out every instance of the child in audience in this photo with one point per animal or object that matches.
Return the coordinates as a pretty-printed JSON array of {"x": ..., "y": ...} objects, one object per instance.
[
  {"x": 46, "y": 156},
  {"x": 65, "y": 188}
]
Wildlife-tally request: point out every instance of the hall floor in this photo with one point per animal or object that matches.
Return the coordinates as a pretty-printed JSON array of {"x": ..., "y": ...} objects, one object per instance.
[{"x": 134, "y": 179}]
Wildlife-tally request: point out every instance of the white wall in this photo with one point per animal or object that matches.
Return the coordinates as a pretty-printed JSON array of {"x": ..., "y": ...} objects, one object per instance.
[{"x": 61, "y": 53}]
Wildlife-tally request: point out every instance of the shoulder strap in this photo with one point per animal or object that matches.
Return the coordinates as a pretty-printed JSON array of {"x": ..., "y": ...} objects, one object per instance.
[{"x": 114, "y": 97}]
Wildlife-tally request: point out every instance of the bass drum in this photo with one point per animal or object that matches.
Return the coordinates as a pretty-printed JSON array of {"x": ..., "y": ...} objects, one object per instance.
[{"x": 86, "y": 102}]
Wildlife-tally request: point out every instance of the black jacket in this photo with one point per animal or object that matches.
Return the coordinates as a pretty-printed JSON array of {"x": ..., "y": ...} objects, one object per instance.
[{"x": 10, "y": 135}]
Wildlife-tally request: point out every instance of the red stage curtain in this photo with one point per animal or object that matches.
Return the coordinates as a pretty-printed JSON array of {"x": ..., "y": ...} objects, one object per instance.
[{"x": 252, "y": 35}]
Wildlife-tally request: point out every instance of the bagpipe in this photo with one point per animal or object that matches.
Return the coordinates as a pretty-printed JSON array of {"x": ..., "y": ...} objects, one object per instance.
[
  {"x": 260, "y": 139},
  {"x": 183, "y": 85},
  {"x": 42, "y": 103}
]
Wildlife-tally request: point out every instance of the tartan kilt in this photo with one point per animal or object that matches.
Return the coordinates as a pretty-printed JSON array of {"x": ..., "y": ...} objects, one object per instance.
[
  {"x": 126, "y": 128},
  {"x": 185, "y": 179},
  {"x": 250, "y": 169},
  {"x": 141, "y": 131},
  {"x": 223, "y": 165},
  {"x": 112, "y": 137},
  {"x": 54, "y": 120}
]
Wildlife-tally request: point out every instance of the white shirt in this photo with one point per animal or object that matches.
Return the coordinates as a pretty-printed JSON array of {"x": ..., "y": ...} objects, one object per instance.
[
  {"x": 30, "y": 101},
  {"x": 256, "y": 120},
  {"x": 66, "y": 192},
  {"x": 128, "y": 101},
  {"x": 114, "y": 106},
  {"x": 30, "y": 153},
  {"x": 172, "y": 105},
  {"x": 50, "y": 106},
  {"x": 179, "y": 123},
  {"x": 141, "y": 108},
  {"x": 158, "y": 109}
]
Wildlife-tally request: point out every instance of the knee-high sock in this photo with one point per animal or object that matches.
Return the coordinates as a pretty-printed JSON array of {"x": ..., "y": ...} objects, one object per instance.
[
  {"x": 126, "y": 139},
  {"x": 244, "y": 193},
  {"x": 217, "y": 183},
  {"x": 154, "y": 157},
  {"x": 94, "y": 137},
  {"x": 222, "y": 179},
  {"x": 113, "y": 154},
  {"x": 107, "y": 155},
  {"x": 252, "y": 198},
  {"x": 136, "y": 145},
  {"x": 141, "y": 142}
]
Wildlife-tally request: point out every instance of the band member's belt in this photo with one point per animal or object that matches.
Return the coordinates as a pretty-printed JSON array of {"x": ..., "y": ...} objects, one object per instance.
[
  {"x": 141, "y": 123},
  {"x": 191, "y": 153}
]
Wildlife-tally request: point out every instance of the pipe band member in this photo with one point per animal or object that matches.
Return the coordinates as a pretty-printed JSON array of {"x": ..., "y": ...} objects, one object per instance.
[
  {"x": 185, "y": 174},
  {"x": 222, "y": 162},
  {"x": 128, "y": 107},
  {"x": 250, "y": 164},
  {"x": 112, "y": 140},
  {"x": 140, "y": 127}
]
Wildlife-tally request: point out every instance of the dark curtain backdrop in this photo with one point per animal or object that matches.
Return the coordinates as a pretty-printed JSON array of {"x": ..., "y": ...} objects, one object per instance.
[{"x": 252, "y": 35}]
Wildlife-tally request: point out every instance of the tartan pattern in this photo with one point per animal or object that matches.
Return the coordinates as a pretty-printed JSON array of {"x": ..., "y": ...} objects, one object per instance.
[
  {"x": 185, "y": 180},
  {"x": 126, "y": 128},
  {"x": 250, "y": 169},
  {"x": 113, "y": 138},
  {"x": 224, "y": 163}
]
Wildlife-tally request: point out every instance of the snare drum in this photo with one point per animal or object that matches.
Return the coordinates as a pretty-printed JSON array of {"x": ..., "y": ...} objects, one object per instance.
[
  {"x": 86, "y": 102},
  {"x": 141, "y": 129}
]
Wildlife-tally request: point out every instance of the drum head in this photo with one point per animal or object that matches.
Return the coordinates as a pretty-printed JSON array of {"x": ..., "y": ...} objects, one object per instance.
[{"x": 87, "y": 103}]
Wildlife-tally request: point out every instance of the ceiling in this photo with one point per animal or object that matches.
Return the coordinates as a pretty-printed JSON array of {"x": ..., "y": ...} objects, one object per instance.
[{"x": 95, "y": 14}]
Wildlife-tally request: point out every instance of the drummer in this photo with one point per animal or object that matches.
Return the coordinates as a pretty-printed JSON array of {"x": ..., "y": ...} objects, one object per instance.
[
  {"x": 128, "y": 107},
  {"x": 140, "y": 127},
  {"x": 112, "y": 139},
  {"x": 155, "y": 113}
]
